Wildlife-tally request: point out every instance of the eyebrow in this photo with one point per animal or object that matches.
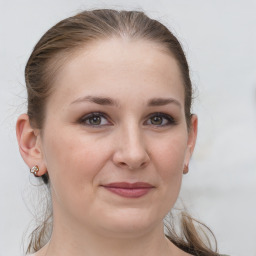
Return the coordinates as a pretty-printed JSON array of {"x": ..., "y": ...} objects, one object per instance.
[
  {"x": 106, "y": 101},
  {"x": 163, "y": 101},
  {"x": 98, "y": 100}
]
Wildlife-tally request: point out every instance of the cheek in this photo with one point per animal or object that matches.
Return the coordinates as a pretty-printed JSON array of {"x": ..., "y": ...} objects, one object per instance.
[
  {"x": 169, "y": 159},
  {"x": 73, "y": 160},
  {"x": 170, "y": 154}
]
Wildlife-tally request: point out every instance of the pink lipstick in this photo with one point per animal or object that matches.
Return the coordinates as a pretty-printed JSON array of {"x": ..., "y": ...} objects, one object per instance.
[{"x": 130, "y": 190}]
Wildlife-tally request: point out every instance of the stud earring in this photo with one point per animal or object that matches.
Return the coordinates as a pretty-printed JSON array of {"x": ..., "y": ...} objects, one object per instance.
[
  {"x": 185, "y": 170},
  {"x": 34, "y": 170}
]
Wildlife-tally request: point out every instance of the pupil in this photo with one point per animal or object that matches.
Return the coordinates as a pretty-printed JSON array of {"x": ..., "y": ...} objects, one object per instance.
[
  {"x": 157, "y": 120},
  {"x": 95, "y": 120}
]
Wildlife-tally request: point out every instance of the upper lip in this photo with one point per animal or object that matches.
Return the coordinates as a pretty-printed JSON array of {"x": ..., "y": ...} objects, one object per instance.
[{"x": 127, "y": 185}]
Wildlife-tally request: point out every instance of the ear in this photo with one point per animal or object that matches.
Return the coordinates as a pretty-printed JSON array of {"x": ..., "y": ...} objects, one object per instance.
[
  {"x": 192, "y": 135},
  {"x": 29, "y": 141}
]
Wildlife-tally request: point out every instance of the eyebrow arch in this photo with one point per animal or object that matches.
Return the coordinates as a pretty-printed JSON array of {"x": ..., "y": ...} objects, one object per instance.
[
  {"x": 163, "y": 101},
  {"x": 106, "y": 101},
  {"x": 98, "y": 100}
]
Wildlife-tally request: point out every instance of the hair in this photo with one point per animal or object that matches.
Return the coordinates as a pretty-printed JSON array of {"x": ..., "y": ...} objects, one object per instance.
[{"x": 74, "y": 33}]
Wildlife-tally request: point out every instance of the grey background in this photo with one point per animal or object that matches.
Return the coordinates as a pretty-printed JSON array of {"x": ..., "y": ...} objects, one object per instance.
[{"x": 219, "y": 39}]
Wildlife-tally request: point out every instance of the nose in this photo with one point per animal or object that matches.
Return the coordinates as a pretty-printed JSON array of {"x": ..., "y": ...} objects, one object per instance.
[{"x": 131, "y": 151}]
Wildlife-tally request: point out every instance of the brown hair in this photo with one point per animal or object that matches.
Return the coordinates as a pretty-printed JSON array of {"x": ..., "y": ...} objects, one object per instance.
[{"x": 70, "y": 34}]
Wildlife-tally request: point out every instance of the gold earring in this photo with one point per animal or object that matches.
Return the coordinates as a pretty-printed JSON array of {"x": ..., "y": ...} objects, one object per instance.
[
  {"x": 185, "y": 170},
  {"x": 35, "y": 170}
]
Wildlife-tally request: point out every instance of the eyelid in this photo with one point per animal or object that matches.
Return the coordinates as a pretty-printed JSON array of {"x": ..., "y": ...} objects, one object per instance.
[
  {"x": 169, "y": 118},
  {"x": 92, "y": 114}
]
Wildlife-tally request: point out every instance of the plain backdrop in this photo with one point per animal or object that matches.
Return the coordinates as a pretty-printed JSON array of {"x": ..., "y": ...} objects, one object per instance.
[{"x": 219, "y": 38}]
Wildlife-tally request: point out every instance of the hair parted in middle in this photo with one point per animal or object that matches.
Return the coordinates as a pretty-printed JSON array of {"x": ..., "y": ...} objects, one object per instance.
[{"x": 60, "y": 43}]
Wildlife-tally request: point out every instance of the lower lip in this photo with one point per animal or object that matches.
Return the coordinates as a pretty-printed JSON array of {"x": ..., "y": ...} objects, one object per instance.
[{"x": 129, "y": 192}]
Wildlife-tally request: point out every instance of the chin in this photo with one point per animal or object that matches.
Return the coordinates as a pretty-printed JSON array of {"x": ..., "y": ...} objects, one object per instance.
[{"x": 131, "y": 222}]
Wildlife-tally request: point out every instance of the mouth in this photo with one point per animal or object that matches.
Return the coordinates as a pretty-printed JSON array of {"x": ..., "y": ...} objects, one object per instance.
[{"x": 130, "y": 190}]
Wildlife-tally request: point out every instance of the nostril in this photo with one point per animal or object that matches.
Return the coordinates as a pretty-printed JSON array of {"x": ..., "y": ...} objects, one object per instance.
[
  {"x": 131, "y": 158},
  {"x": 122, "y": 164},
  {"x": 144, "y": 164},
  {"x": 133, "y": 166}
]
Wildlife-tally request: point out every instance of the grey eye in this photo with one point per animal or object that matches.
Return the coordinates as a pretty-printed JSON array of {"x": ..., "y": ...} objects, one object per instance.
[
  {"x": 156, "y": 120},
  {"x": 160, "y": 119},
  {"x": 95, "y": 120}
]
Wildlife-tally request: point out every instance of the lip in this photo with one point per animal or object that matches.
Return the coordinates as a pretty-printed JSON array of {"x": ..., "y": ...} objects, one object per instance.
[{"x": 130, "y": 190}]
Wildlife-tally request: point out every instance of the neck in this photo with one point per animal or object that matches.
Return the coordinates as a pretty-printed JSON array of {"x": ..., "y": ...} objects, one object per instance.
[{"x": 66, "y": 241}]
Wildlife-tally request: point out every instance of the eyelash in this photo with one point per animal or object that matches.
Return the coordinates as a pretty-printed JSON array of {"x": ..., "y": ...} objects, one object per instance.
[
  {"x": 91, "y": 115},
  {"x": 169, "y": 120}
]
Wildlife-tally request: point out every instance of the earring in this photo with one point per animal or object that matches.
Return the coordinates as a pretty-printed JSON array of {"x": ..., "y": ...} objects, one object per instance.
[
  {"x": 34, "y": 170},
  {"x": 185, "y": 170}
]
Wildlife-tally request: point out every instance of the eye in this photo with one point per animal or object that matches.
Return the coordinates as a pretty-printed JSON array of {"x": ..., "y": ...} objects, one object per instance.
[
  {"x": 95, "y": 119},
  {"x": 160, "y": 119}
]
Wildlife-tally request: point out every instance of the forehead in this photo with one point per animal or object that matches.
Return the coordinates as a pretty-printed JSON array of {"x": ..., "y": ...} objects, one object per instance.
[{"x": 116, "y": 64}]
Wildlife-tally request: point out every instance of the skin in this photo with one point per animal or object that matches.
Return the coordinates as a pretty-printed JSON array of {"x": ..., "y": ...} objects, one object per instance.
[{"x": 127, "y": 144}]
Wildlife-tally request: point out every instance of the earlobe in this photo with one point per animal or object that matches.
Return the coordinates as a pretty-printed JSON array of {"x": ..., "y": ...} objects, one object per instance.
[
  {"x": 185, "y": 169},
  {"x": 29, "y": 144}
]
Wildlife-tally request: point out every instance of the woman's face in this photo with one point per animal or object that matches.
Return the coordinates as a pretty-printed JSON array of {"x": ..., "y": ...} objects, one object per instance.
[{"x": 115, "y": 139}]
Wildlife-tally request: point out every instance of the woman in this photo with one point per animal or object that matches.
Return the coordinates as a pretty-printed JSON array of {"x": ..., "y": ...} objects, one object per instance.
[{"x": 109, "y": 129}]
